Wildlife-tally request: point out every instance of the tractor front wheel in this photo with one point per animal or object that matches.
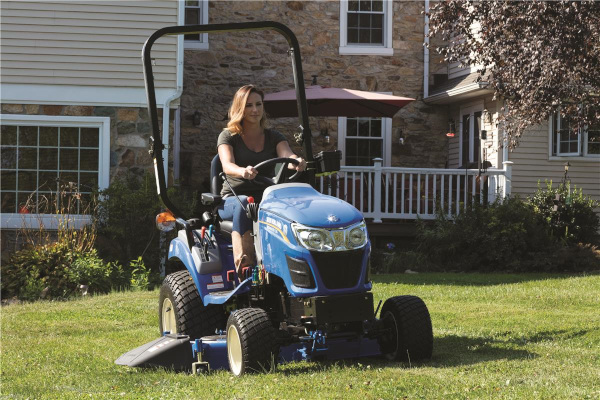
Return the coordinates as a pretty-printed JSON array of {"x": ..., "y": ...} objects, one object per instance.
[
  {"x": 251, "y": 341},
  {"x": 409, "y": 335},
  {"x": 180, "y": 308}
]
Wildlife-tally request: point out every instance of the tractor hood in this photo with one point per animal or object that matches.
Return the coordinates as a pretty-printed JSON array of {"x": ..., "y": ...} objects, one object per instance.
[{"x": 299, "y": 202}]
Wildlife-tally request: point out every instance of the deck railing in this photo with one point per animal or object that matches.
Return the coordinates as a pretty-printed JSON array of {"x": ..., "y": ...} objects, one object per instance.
[{"x": 410, "y": 193}]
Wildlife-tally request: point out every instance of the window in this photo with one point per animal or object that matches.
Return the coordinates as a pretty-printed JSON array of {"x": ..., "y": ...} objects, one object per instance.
[
  {"x": 196, "y": 13},
  {"x": 570, "y": 141},
  {"x": 44, "y": 156},
  {"x": 366, "y": 27},
  {"x": 363, "y": 139}
]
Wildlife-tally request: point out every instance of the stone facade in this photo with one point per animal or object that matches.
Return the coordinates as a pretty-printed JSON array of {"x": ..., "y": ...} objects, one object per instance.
[
  {"x": 129, "y": 132},
  {"x": 212, "y": 76}
]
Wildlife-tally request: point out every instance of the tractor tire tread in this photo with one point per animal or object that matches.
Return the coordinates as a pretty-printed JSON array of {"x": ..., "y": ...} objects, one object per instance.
[
  {"x": 258, "y": 336},
  {"x": 194, "y": 319},
  {"x": 415, "y": 327}
]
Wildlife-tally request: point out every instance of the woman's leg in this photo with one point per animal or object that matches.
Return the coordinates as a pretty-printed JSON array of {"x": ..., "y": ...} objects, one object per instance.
[{"x": 241, "y": 236}]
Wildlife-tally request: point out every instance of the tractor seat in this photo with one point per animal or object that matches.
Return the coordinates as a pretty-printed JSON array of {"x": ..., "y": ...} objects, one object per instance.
[{"x": 216, "y": 184}]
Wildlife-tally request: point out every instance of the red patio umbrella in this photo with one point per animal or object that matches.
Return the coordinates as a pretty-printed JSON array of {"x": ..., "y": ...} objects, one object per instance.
[{"x": 335, "y": 102}]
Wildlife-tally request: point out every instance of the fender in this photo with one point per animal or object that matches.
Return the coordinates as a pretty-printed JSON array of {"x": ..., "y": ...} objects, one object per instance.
[{"x": 180, "y": 250}]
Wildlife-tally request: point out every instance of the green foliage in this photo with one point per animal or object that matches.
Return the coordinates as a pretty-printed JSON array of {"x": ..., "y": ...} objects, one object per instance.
[
  {"x": 502, "y": 236},
  {"x": 140, "y": 275},
  {"x": 574, "y": 219},
  {"x": 126, "y": 218}
]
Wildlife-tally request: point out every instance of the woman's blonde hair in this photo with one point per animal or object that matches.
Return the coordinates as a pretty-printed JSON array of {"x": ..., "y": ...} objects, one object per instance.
[{"x": 236, "y": 111}]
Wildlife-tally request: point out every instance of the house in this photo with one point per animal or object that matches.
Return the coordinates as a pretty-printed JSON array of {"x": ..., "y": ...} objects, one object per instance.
[{"x": 74, "y": 107}]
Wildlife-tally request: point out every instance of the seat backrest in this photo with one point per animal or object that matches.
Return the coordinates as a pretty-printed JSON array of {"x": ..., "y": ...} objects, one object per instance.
[{"x": 215, "y": 169}]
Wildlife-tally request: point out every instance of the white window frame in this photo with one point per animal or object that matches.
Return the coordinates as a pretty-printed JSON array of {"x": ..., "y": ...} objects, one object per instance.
[
  {"x": 471, "y": 110},
  {"x": 362, "y": 49},
  {"x": 201, "y": 44},
  {"x": 582, "y": 143},
  {"x": 51, "y": 221},
  {"x": 386, "y": 131}
]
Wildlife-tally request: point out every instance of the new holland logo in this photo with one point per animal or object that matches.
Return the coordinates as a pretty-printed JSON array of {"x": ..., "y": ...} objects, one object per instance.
[{"x": 332, "y": 218}]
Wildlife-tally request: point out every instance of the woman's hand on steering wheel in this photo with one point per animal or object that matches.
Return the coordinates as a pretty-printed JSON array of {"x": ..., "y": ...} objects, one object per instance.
[
  {"x": 249, "y": 172},
  {"x": 282, "y": 176}
]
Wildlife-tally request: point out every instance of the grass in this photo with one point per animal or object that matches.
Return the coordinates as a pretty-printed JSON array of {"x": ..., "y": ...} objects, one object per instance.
[{"x": 496, "y": 336}]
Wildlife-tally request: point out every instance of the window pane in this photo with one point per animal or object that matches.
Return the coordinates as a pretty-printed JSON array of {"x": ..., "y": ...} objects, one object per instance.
[
  {"x": 352, "y": 20},
  {"x": 9, "y": 180},
  {"x": 351, "y": 148},
  {"x": 25, "y": 199},
  {"x": 68, "y": 159},
  {"x": 28, "y": 158},
  {"x": 363, "y": 127},
  {"x": 48, "y": 136},
  {"x": 594, "y": 141},
  {"x": 364, "y": 36},
  {"x": 377, "y": 36},
  {"x": 89, "y": 137},
  {"x": 377, "y": 21},
  {"x": 8, "y": 157},
  {"x": 376, "y": 127},
  {"x": 28, "y": 135},
  {"x": 351, "y": 127},
  {"x": 352, "y": 35},
  {"x": 67, "y": 181},
  {"x": 89, "y": 160},
  {"x": 8, "y": 135},
  {"x": 365, "y": 5},
  {"x": 352, "y": 5},
  {"x": 364, "y": 21},
  {"x": 69, "y": 137},
  {"x": 377, "y": 5},
  {"x": 47, "y": 181},
  {"x": 9, "y": 201},
  {"x": 88, "y": 181},
  {"x": 191, "y": 3},
  {"x": 192, "y": 16},
  {"x": 48, "y": 158},
  {"x": 27, "y": 180}
]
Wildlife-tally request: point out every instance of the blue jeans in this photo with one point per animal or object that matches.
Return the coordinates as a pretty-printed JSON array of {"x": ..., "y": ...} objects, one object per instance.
[{"x": 231, "y": 209}]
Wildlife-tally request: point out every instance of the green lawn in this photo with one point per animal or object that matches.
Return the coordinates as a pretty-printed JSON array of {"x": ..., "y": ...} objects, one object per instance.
[{"x": 496, "y": 336}]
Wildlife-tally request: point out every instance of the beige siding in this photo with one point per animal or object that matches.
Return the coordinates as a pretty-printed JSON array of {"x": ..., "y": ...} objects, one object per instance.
[
  {"x": 85, "y": 43},
  {"x": 532, "y": 165}
]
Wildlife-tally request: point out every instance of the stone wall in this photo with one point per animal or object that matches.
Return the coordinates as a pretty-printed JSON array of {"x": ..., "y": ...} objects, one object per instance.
[
  {"x": 235, "y": 59},
  {"x": 129, "y": 132}
]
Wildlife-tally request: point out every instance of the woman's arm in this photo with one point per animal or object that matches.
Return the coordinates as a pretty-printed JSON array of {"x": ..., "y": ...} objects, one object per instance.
[
  {"x": 283, "y": 150},
  {"x": 231, "y": 168}
]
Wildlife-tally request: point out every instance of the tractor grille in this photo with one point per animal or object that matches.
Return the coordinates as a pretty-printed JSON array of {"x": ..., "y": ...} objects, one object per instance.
[{"x": 339, "y": 269}]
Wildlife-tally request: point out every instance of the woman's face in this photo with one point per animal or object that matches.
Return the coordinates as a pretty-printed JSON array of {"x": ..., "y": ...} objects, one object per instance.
[{"x": 253, "y": 112}]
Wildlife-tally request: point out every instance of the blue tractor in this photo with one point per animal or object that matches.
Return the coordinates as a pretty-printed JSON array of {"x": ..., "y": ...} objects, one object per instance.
[{"x": 308, "y": 297}]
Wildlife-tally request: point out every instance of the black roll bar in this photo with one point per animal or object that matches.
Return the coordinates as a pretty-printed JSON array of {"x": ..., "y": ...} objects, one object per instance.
[{"x": 158, "y": 146}]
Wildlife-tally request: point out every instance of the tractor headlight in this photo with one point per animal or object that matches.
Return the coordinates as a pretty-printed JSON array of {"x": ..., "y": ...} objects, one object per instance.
[{"x": 339, "y": 239}]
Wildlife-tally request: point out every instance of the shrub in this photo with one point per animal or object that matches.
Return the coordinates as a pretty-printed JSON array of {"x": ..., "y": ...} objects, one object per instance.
[
  {"x": 571, "y": 217},
  {"x": 502, "y": 236}
]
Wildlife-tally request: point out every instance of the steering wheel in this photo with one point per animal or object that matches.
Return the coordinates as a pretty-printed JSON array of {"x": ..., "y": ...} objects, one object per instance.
[{"x": 282, "y": 176}]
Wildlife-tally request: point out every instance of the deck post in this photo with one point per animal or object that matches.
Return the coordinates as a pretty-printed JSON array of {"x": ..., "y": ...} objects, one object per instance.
[
  {"x": 506, "y": 189},
  {"x": 377, "y": 189}
]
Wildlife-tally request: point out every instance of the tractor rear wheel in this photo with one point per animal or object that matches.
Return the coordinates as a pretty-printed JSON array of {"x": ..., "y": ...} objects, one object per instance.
[
  {"x": 251, "y": 341},
  {"x": 180, "y": 308},
  {"x": 410, "y": 335}
]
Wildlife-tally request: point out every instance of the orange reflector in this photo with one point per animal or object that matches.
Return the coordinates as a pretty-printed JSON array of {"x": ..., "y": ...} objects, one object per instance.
[{"x": 163, "y": 217}]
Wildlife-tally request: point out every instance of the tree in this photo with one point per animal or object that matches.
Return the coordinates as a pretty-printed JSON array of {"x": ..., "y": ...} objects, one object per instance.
[{"x": 540, "y": 57}]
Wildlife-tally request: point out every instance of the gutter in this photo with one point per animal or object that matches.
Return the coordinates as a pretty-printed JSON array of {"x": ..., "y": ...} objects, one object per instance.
[
  {"x": 175, "y": 95},
  {"x": 426, "y": 54},
  {"x": 461, "y": 90}
]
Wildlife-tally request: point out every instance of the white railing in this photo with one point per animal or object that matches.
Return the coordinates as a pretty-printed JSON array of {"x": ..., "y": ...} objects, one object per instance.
[{"x": 410, "y": 193}]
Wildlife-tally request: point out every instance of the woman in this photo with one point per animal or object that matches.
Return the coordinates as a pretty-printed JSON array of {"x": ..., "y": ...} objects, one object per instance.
[{"x": 246, "y": 142}]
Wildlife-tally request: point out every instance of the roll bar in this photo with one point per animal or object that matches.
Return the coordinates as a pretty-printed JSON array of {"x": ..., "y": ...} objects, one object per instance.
[{"x": 158, "y": 146}]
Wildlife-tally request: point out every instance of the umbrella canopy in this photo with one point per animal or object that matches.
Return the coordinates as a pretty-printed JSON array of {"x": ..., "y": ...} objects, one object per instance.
[{"x": 335, "y": 102}]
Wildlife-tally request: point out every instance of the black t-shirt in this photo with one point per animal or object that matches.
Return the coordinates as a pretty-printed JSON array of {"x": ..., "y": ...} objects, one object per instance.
[{"x": 244, "y": 157}]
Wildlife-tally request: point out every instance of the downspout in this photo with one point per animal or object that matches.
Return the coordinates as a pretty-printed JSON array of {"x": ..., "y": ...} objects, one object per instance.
[
  {"x": 175, "y": 95},
  {"x": 426, "y": 54}
]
